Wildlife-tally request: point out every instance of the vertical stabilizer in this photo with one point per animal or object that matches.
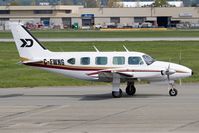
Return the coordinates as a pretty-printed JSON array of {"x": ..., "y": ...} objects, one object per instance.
[{"x": 27, "y": 45}]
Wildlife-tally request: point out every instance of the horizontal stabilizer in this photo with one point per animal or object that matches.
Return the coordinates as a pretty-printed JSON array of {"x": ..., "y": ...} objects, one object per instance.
[{"x": 28, "y": 62}]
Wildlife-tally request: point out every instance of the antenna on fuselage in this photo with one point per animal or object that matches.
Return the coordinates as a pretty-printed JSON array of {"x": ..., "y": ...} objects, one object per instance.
[
  {"x": 125, "y": 48},
  {"x": 95, "y": 48}
]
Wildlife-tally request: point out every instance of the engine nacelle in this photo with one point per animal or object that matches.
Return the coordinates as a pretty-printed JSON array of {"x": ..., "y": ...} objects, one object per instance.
[{"x": 168, "y": 72}]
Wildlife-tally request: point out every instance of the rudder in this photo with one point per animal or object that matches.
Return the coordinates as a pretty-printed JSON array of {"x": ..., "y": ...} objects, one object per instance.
[{"x": 27, "y": 45}]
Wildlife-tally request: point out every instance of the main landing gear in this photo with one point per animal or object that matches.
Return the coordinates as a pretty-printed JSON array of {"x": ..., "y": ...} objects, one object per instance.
[
  {"x": 117, "y": 92},
  {"x": 130, "y": 89},
  {"x": 173, "y": 91}
]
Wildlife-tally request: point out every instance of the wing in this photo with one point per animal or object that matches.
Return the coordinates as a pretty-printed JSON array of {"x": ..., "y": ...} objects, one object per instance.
[{"x": 107, "y": 75}]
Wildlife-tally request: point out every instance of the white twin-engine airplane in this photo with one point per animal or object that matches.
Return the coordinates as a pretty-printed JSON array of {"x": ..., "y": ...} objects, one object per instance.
[{"x": 112, "y": 67}]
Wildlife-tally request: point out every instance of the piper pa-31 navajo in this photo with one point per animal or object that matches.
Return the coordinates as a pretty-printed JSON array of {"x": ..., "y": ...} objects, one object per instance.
[{"x": 115, "y": 67}]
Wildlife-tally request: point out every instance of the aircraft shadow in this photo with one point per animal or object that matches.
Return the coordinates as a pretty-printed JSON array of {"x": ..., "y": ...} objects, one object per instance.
[
  {"x": 109, "y": 96},
  {"x": 88, "y": 97}
]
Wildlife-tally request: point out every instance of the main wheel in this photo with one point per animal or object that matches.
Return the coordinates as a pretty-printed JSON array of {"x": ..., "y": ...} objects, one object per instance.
[
  {"x": 117, "y": 94},
  {"x": 173, "y": 92},
  {"x": 130, "y": 90}
]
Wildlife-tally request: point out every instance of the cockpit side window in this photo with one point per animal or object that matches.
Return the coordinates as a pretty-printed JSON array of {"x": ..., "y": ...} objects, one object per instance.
[
  {"x": 148, "y": 59},
  {"x": 135, "y": 60},
  {"x": 71, "y": 61}
]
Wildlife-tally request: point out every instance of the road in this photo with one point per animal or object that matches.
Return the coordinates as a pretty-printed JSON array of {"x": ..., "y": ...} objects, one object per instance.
[
  {"x": 93, "y": 110},
  {"x": 111, "y": 39}
]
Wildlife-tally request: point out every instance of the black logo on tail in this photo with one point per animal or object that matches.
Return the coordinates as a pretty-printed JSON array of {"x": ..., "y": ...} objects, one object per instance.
[{"x": 26, "y": 43}]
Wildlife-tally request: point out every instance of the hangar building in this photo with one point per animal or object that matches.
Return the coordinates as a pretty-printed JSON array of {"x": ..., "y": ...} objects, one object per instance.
[{"x": 66, "y": 16}]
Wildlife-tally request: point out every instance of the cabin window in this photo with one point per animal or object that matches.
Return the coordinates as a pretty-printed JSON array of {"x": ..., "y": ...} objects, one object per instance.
[
  {"x": 71, "y": 61},
  {"x": 135, "y": 61},
  {"x": 85, "y": 60},
  {"x": 101, "y": 60},
  {"x": 118, "y": 60}
]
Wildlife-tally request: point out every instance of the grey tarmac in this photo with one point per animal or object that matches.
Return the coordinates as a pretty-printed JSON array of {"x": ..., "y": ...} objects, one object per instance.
[
  {"x": 91, "y": 109},
  {"x": 110, "y": 39}
]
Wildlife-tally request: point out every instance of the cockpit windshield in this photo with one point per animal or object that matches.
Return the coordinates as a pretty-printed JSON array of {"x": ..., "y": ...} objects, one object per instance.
[{"x": 148, "y": 59}]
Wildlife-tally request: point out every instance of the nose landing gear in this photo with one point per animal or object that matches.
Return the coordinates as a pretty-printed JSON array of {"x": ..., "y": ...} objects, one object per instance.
[{"x": 173, "y": 91}]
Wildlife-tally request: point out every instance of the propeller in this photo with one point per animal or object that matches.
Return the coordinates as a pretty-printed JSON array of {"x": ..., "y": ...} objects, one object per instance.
[{"x": 168, "y": 72}]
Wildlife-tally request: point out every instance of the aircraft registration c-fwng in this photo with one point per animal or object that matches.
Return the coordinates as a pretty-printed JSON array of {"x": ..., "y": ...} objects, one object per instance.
[{"x": 115, "y": 67}]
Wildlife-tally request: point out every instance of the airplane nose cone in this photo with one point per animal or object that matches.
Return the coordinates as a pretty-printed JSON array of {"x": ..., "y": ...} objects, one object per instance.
[
  {"x": 186, "y": 72},
  {"x": 189, "y": 72}
]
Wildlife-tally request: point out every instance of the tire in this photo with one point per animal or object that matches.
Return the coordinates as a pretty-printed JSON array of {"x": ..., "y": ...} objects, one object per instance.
[
  {"x": 130, "y": 90},
  {"x": 117, "y": 94},
  {"x": 173, "y": 92}
]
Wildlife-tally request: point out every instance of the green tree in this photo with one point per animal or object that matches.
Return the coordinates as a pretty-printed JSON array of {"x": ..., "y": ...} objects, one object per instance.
[
  {"x": 67, "y": 2},
  {"x": 114, "y": 3},
  {"x": 161, "y": 3},
  {"x": 33, "y": 2},
  {"x": 15, "y": 3},
  {"x": 90, "y": 3}
]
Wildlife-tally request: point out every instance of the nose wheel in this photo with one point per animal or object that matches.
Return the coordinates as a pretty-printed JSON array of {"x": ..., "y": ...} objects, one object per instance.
[{"x": 173, "y": 91}]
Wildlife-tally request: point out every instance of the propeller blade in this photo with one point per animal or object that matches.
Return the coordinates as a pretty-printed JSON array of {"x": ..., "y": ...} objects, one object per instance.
[
  {"x": 168, "y": 77},
  {"x": 168, "y": 67}
]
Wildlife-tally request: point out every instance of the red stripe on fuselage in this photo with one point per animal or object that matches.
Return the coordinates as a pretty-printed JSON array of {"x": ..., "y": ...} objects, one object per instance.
[{"x": 62, "y": 67}]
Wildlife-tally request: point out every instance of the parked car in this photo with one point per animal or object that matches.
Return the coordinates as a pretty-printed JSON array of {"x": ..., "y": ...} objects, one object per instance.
[
  {"x": 98, "y": 26},
  {"x": 146, "y": 25}
]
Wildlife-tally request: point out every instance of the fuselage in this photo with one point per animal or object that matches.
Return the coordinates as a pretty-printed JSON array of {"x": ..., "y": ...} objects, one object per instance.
[
  {"x": 88, "y": 65},
  {"x": 115, "y": 67}
]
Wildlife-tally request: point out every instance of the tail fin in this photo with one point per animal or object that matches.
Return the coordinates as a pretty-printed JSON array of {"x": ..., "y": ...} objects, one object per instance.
[{"x": 28, "y": 46}]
